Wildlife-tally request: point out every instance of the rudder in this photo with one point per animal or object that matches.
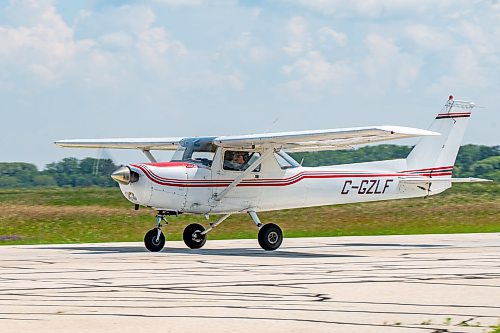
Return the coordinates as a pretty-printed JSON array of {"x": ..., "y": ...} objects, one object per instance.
[{"x": 435, "y": 156}]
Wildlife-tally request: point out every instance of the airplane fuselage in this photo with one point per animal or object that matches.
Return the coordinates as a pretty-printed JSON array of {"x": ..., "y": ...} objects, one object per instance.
[{"x": 189, "y": 188}]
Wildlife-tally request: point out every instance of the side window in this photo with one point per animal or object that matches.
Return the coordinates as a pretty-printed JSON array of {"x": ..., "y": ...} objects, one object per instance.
[
  {"x": 285, "y": 161},
  {"x": 239, "y": 160}
]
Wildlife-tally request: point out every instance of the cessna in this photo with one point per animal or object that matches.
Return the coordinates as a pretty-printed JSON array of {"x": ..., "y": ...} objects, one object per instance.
[{"x": 253, "y": 173}]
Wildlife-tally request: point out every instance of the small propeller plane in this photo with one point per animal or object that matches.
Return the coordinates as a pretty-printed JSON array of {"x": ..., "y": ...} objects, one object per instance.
[{"x": 253, "y": 173}]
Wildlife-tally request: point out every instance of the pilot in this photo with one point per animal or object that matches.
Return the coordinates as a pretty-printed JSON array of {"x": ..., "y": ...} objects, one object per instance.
[{"x": 238, "y": 160}]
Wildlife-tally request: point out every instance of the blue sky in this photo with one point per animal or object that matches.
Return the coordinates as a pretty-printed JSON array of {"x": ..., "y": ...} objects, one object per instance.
[{"x": 160, "y": 68}]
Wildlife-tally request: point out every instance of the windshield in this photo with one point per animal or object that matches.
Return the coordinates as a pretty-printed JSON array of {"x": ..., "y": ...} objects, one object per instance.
[{"x": 199, "y": 151}]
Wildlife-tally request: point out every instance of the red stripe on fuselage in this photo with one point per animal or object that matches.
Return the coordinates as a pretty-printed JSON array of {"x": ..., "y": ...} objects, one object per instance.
[
  {"x": 274, "y": 182},
  {"x": 431, "y": 169},
  {"x": 256, "y": 182},
  {"x": 170, "y": 164}
]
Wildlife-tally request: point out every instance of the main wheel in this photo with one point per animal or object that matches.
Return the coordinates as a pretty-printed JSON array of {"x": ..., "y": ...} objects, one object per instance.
[
  {"x": 192, "y": 236},
  {"x": 270, "y": 237},
  {"x": 152, "y": 242}
]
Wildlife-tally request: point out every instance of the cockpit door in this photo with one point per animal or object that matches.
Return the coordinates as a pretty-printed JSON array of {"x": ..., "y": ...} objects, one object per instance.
[{"x": 225, "y": 169}]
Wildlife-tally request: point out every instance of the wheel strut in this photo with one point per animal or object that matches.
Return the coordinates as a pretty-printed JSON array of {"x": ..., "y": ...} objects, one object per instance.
[
  {"x": 159, "y": 219},
  {"x": 255, "y": 219},
  {"x": 215, "y": 224},
  {"x": 154, "y": 240}
]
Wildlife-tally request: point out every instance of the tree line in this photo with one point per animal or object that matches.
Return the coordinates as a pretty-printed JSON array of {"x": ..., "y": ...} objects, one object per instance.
[
  {"x": 472, "y": 161},
  {"x": 69, "y": 172}
]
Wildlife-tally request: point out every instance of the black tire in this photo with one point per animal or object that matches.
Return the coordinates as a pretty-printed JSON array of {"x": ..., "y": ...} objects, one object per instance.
[
  {"x": 153, "y": 244},
  {"x": 192, "y": 236},
  {"x": 270, "y": 237}
]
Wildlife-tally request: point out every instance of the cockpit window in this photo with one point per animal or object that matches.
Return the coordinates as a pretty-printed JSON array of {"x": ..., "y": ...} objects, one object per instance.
[
  {"x": 199, "y": 151},
  {"x": 240, "y": 160}
]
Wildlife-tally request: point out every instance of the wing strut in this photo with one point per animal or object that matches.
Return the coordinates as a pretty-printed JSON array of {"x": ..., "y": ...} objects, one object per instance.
[
  {"x": 150, "y": 156},
  {"x": 238, "y": 179}
]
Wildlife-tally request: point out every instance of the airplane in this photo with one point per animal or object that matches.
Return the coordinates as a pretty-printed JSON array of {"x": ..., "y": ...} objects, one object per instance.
[{"x": 253, "y": 173}]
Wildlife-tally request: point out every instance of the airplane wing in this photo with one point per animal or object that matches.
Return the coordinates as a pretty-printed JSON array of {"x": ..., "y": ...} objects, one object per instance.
[
  {"x": 330, "y": 139},
  {"x": 124, "y": 143}
]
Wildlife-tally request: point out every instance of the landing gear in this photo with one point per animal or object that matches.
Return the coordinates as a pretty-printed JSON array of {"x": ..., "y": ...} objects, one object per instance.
[
  {"x": 270, "y": 235},
  {"x": 154, "y": 240},
  {"x": 193, "y": 236}
]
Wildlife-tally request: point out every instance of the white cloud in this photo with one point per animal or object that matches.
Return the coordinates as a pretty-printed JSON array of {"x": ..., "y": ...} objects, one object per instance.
[
  {"x": 153, "y": 44},
  {"x": 466, "y": 71},
  {"x": 116, "y": 40},
  {"x": 376, "y": 8},
  {"x": 312, "y": 72},
  {"x": 43, "y": 46},
  {"x": 41, "y": 42},
  {"x": 298, "y": 38},
  {"x": 208, "y": 78},
  {"x": 472, "y": 55},
  {"x": 386, "y": 64},
  {"x": 180, "y": 2},
  {"x": 428, "y": 37},
  {"x": 247, "y": 48},
  {"x": 326, "y": 34}
]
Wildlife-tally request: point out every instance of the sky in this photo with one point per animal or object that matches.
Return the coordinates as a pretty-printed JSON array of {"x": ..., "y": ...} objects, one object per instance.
[{"x": 169, "y": 68}]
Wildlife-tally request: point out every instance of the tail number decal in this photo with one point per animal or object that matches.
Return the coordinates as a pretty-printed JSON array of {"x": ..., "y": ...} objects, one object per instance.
[{"x": 366, "y": 186}]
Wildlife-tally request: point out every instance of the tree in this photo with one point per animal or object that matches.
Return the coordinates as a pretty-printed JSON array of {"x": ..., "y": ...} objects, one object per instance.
[
  {"x": 488, "y": 168},
  {"x": 44, "y": 180},
  {"x": 17, "y": 174}
]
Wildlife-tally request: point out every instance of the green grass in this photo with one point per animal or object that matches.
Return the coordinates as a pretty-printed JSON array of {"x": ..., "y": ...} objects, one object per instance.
[
  {"x": 37, "y": 216},
  {"x": 495, "y": 329}
]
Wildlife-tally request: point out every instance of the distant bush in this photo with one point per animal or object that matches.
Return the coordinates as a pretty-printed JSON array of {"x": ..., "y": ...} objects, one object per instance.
[{"x": 69, "y": 172}]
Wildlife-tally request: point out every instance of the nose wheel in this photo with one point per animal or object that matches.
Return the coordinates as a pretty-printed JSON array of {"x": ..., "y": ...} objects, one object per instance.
[
  {"x": 154, "y": 240},
  {"x": 194, "y": 236}
]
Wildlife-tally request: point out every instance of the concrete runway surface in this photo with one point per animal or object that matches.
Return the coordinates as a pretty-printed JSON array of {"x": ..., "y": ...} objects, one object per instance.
[{"x": 425, "y": 283}]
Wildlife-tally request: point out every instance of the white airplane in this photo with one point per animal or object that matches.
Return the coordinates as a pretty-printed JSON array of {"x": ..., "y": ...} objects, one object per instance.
[{"x": 253, "y": 173}]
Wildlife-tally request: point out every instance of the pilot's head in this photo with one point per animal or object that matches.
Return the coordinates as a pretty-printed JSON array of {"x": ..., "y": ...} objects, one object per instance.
[{"x": 240, "y": 157}]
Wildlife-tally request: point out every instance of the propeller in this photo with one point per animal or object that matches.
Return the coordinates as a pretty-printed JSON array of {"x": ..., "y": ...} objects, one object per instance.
[{"x": 100, "y": 168}]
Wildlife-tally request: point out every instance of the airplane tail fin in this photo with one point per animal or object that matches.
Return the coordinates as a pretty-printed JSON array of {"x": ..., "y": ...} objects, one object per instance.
[{"x": 435, "y": 156}]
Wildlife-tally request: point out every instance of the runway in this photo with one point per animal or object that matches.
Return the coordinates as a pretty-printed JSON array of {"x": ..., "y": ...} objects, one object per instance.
[{"x": 424, "y": 283}]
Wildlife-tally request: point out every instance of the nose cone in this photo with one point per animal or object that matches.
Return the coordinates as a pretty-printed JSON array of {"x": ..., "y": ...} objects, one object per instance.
[{"x": 122, "y": 175}]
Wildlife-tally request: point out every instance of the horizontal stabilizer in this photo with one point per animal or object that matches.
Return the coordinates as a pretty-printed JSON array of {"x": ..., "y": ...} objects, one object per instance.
[{"x": 426, "y": 180}]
